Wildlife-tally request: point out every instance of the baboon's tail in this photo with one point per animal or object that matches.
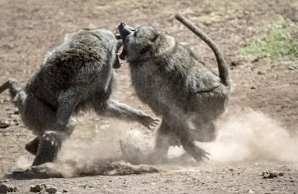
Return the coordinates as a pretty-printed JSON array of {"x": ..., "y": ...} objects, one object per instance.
[
  {"x": 12, "y": 85},
  {"x": 222, "y": 68}
]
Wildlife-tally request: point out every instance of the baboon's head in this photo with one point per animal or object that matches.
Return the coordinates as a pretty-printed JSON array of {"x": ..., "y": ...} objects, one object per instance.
[
  {"x": 144, "y": 43},
  {"x": 138, "y": 43}
]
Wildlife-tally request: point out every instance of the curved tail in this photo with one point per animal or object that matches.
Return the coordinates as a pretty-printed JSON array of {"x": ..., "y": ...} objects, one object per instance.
[
  {"x": 222, "y": 68},
  {"x": 12, "y": 85}
]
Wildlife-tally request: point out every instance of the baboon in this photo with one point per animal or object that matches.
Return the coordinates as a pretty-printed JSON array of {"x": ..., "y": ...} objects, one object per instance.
[
  {"x": 75, "y": 75},
  {"x": 176, "y": 85}
]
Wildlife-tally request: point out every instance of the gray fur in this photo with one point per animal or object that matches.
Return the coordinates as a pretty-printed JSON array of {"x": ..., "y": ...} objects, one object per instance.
[
  {"x": 177, "y": 86},
  {"x": 76, "y": 75}
]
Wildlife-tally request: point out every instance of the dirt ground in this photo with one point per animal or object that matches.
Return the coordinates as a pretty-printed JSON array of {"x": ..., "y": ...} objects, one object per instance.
[{"x": 257, "y": 136}]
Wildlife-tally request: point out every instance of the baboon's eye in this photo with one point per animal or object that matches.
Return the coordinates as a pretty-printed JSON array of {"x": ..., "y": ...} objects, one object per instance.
[{"x": 145, "y": 49}]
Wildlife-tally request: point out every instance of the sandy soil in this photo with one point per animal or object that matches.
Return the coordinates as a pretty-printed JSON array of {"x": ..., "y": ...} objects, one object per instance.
[{"x": 256, "y": 150}]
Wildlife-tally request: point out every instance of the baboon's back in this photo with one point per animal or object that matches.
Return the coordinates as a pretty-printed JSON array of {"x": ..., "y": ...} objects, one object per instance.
[{"x": 81, "y": 62}]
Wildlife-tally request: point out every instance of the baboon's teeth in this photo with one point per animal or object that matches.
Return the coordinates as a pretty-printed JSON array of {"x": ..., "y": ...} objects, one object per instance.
[{"x": 117, "y": 30}]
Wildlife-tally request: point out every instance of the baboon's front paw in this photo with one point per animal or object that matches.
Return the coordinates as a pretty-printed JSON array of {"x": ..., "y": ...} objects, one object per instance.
[{"x": 149, "y": 122}]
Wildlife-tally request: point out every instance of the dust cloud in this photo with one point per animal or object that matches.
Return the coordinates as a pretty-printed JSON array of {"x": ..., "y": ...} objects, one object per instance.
[
  {"x": 95, "y": 150},
  {"x": 243, "y": 135},
  {"x": 248, "y": 135},
  {"x": 23, "y": 163}
]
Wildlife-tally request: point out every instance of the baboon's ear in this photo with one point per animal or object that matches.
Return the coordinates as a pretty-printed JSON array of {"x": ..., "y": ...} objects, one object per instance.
[
  {"x": 156, "y": 36},
  {"x": 159, "y": 36}
]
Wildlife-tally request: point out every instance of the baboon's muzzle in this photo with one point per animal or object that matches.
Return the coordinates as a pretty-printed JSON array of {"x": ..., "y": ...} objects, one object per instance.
[{"x": 124, "y": 31}]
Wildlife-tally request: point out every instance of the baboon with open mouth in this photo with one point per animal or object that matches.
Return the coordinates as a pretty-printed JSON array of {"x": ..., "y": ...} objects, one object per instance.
[{"x": 176, "y": 85}]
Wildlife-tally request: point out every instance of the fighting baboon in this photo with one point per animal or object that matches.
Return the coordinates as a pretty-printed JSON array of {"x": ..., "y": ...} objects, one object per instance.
[
  {"x": 176, "y": 85},
  {"x": 75, "y": 75}
]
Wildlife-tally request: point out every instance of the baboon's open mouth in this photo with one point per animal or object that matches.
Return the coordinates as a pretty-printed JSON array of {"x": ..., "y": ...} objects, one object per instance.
[{"x": 124, "y": 31}]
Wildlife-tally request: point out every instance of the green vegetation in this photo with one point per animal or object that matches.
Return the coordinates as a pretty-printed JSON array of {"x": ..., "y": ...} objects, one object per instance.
[{"x": 279, "y": 44}]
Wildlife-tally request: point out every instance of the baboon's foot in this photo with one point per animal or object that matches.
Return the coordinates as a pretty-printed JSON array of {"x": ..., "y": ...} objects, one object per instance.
[
  {"x": 201, "y": 154},
  {"x": 50, "y": 144},
  {"x": 32, "y": 146},
  {"x": 198, "y": 153}
]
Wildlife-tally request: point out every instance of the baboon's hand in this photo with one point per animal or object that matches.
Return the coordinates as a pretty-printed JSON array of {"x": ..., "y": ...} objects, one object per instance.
[{"x": 149, "y": 122}]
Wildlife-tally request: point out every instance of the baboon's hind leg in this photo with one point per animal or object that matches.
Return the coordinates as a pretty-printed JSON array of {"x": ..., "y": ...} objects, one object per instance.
[
  {"x": 41, "y": 119},
  {"x": 182, "y": 130},
  {"x": 190, "y": 147},
  {"x": 204, "y": 131},
  {"x": 32, "y": 146},
  {"x": 50, "y": 144},
  {"x": 162, "y": 143}
]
